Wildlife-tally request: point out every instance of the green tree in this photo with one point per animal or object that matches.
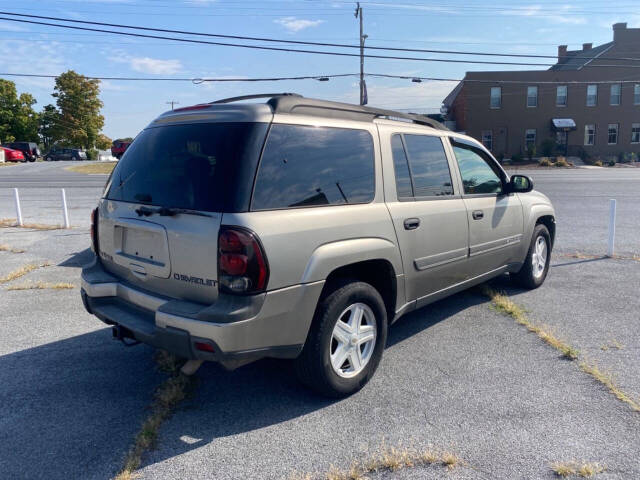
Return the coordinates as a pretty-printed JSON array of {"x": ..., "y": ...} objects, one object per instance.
[
  {"x": 49, "y": 126},
  {"x": 103, "y": 142},
  {"x": 18, "y": 119},
  {"x": 80, "y": 121},
  {"x": 8, "y": 101}
]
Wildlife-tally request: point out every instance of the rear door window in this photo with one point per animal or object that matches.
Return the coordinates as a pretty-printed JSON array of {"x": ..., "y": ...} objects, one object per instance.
[
  {"x": 203, "y": 166},
  {"x": 429, "y": 166},
  {"x": 305, "y": 166}
]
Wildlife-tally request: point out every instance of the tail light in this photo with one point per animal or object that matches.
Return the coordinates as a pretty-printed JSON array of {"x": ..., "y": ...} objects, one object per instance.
[
  {"x": 242, "y": 263},
  {"x": 94, "y": 231}
]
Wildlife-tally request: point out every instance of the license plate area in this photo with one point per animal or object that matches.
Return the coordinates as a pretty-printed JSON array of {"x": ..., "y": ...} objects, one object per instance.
[{"x": 142, "y": 247}]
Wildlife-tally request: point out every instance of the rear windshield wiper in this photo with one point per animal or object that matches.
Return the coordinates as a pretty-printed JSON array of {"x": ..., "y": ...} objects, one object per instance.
[{"x": 168, "y": 212}]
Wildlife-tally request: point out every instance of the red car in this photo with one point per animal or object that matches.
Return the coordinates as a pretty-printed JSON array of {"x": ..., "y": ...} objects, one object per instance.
[
  {"x": 118, "y": 148},
  {"x": 11, "y": 155}
]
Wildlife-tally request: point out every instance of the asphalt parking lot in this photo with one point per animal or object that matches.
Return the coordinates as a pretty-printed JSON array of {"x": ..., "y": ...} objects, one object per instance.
[{"x": 456, "y": 376}]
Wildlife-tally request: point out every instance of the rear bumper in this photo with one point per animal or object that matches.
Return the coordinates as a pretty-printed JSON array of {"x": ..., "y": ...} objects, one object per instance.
[{"x": 237, "y": 329}]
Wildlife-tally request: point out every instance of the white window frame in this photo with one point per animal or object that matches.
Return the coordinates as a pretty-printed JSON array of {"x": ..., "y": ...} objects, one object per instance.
[
  {"x": 636, "y": 127},
  {"x": 617, "y": 97},
  {"x": 617, "y": 129},
  {"x": 499, "y": 97},
  {"x": 595, "y": 103},
  {"x": 558, "y": 96},
  {"x": 526, "y": 137},
  {"x": 590, "y": 134},
  {"x": 636, "y": 94},
  {"x": 487, "y": 134},
  {"x": 533, "y": 88}
]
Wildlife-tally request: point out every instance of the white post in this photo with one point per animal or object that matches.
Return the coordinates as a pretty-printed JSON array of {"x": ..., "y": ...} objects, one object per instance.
[
  {"x": 65, "y": 212},
  {"x": 612, "y": 227},
  {"x": 16, "y": 198}
]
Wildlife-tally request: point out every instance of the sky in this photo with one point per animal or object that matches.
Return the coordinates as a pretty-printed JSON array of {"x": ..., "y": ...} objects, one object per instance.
[{"x": 514, "y": 26}]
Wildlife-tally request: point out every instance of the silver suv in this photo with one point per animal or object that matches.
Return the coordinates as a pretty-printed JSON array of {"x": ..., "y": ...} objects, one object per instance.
[{"x": 301, "y": 229}]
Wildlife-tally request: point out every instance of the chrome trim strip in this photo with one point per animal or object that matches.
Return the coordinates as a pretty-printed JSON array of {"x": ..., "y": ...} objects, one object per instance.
[
  {"x": 439, "y": 259},
  {"x": 494, "y": 245}
]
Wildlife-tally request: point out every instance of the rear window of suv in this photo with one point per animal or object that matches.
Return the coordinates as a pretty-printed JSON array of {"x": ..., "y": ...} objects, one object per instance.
[
  {"x": 305, "y": 166},
  {"x": 204, "y": 166}
]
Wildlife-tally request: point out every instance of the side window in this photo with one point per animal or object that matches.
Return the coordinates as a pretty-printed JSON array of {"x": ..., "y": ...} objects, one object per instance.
[
  {"x": 478, "y": 175},
  {"x": 401, "y": 167},
  {"x": 305, "y": 166},
  {"x": 429, "y": 166}
]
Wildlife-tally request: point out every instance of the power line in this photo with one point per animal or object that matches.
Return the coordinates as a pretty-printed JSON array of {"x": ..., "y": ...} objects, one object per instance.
[{"x": 301, "y": 42}]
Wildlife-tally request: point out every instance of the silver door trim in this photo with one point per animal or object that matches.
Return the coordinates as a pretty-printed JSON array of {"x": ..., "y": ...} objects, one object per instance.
[
  {"x": 494, "y": 245},
  {"x": 439, "y": 259}
]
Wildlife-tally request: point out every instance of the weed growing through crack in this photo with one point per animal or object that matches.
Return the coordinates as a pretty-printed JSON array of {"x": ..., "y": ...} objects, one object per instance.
[
  {"x": 10, "y": 222},
  {"x": 581, "y": 469},
  {"x": 22, "y": 271},
  {"x": 42, "y": 286},
  {"x": 7, "y": 248}
]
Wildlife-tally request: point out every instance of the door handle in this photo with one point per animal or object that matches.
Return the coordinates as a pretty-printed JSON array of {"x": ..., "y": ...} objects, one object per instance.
[
  {"x": 477, "y": 214},
  {"x": 411, "y": 223}
]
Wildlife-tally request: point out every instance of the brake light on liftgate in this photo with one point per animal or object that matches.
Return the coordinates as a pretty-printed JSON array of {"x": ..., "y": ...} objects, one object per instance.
[
  {"x": 242, "y": 264},
  {"x": 94, "y": 231}
]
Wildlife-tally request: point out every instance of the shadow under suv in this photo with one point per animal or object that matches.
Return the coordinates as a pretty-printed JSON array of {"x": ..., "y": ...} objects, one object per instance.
[{"x": 301, "y": 229}]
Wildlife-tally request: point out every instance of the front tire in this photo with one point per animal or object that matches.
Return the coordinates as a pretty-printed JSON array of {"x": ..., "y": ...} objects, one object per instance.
[
  {"x": 536, "y": 264},
  {"x": 345, "y": 342}
]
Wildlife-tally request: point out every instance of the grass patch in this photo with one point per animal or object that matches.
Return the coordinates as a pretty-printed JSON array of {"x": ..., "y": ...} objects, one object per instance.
[
  {"x": 94, "y": 167},
  {"x": 166, "y": 397},
  {"x": 22, "y": 271},
  {"x": 7, "y": 248},
  {"x": 506, "y": 306},
  {"x": 7, "y": 164},
  {"x": 581, "y": 469},
  {"x": 42, "y": 286},
  {"x": 386, "y": 459},
  {"x": 10, "y": 222},
  {"x": 608, "y": 380}
]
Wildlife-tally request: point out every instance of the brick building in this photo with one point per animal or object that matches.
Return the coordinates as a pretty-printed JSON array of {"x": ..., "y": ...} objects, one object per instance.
[{"x": 507, "y": 110}]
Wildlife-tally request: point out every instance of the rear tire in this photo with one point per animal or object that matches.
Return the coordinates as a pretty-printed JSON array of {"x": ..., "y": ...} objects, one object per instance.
[
  {"x": 536, "y": 264},
  {"x": 339, "y": 359}
]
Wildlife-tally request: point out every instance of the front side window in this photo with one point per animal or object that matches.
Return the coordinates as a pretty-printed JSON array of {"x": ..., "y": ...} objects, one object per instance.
[
  {"x": 487, "y": 139},
  {"x": 612, "y": 134},
  {"x": 561, "y": 96},
  {"x": 496, "y": 97},
  {"x": 635, "y": 133},
  {"x": 592, "y": 95},
  {"x": 401, "y": 168},
  {"x": 305, "y": 166},
  {"x": 478, "y": 172},
  {"x": 636, "y": 94},
  {"x": 429, "y": 166},
  {"x": 532, "y": 96},
  {"x": 615, "y": 94},
  {"x": 589, "y": 134},
  {"x": 530, "y": 137}
]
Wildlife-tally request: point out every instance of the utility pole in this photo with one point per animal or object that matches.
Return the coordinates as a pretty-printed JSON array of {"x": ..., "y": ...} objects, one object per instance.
[
  {"x": 358, "y": 14},
  {"x": 172, "y": 103}
]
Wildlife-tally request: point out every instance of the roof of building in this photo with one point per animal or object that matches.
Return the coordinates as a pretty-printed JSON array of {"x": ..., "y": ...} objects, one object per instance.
[{"x": 583, "y": 57}]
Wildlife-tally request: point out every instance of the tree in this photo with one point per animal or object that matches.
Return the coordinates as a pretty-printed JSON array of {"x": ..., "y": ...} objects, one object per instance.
[
  {"x": 18, "y": 119},
  {"x": 125, "y": 139},
  {"x": 103, "y": 142},
  {"x": 48, "y": 126},
  {"x": 79, "y": 121}
]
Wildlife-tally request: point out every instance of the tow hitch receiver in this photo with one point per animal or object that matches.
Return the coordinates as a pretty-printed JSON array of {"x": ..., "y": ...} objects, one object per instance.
[{"x": 121, "y": 333}]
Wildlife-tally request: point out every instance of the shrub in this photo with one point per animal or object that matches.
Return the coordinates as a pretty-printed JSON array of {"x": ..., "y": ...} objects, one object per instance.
[
  {"x": 584, "y": 156},
  {"x": 545, "y": 162},
  {"x": 562, "y": 162},
  {"x": 92, "y": 154},
  {"x": 598, "y": 163},
  {"x": 612, "y": 163},
  {"x": 516, "y": 157},
  {"x": 531, "y": 151},
  {"x": 547, "y": 147}
]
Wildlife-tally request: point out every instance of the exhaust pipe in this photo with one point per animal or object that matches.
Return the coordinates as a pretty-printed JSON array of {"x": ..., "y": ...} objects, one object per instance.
[{"x": 191, "y": 367}]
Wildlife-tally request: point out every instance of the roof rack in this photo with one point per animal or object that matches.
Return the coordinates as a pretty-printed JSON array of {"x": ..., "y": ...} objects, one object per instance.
[{"x": 294, "y": 103}]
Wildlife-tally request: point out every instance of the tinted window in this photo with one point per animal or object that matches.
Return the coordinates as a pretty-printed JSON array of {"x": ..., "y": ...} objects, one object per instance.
[
  {"x": 200, "y": 166},
  {"x": 304, "y": 166},
  {"x": 403, "y": 179},
  {"x": 429, "y": 166},
  {"x": 478, "y": 176}
]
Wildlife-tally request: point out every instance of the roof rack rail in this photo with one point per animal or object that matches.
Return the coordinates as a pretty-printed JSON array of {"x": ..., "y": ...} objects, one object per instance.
[{"x": 252, "y": 97}]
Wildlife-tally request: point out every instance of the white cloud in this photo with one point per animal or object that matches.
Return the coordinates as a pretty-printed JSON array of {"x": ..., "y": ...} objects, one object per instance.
[
  {"x": 415, "y": 97},
  {"x": 154, "y": 66},
  {"x": 562, "y": 14},
  {"x": 293, "y": 24}
]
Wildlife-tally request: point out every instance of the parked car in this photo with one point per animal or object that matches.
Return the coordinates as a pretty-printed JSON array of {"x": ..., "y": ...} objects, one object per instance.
[
  {"x": 30, "y": 150},
  {"x": 11, "y": 155},
  {"x": 118, "y": 148},
  {"x": 56, "y": 154},
  {"x": 302, "y": 229},
  {"x": 2, "y": 155}
]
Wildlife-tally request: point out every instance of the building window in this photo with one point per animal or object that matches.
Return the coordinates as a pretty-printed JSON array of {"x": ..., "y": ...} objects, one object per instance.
[
  {"x": 529, "y": 137},
  {"x": 496, "y": 97},
  {"x": 532, "y": 96},
  {"x": 487, "y": 139},
  {"x": 592, "y": 95},
  {"x": 635, "y": 133},
  {"x": 615, "y": 94},
  {"x": 561, "y": 96},
  {"x": 613, "y": 134},
  {"x": 636, "y": 94},
  {"x": 589, "y": 134}
]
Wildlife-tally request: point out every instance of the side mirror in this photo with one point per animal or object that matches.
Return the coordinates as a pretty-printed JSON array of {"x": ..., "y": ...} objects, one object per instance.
[{"x": 520, "y": 184}]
